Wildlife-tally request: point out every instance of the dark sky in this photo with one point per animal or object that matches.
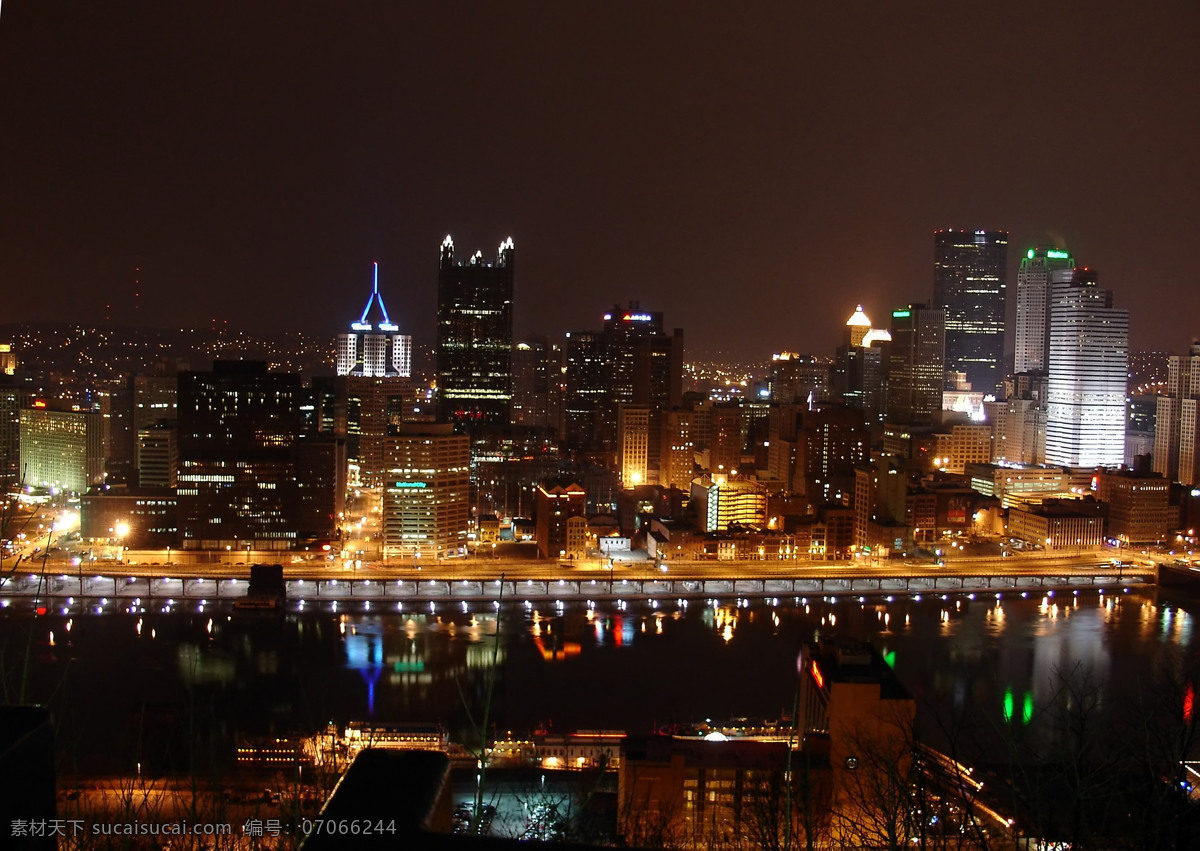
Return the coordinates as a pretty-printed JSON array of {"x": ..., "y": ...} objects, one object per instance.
[{"x": 753, "y": 170}]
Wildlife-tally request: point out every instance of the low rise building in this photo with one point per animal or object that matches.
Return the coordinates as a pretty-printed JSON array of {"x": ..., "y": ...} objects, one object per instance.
[
  {"x": 1014, "y": 484},
  {"x": 690, "y": 793},
  {"x": 723, "y": 502},
  {"x": 1139, "y": 510},
  {"x": 1059, "y": 524}
]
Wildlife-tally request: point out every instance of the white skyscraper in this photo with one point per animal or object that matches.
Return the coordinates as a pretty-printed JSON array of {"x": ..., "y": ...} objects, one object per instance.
[
  {"x": 1177, "y": 420},
  {"x": 1033, "y": 305},
  {"x": 373, "y": 349},
  {"x": 1088, "y": 369}
]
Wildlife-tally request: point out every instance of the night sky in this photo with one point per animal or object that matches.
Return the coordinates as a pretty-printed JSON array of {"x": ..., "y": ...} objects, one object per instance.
[{"x": 753, "y": 170}]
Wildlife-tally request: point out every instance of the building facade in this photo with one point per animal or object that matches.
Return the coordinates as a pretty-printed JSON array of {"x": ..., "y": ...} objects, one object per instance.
[
  {"x": 1032, "y": 334},
  {"x": 239, "y": 483},
  {"x": 1177, "y": 423},
  {"x": 1088, "y": 373},
  {"x": 61, "y": 449},
  {"x": 633, "y": 435},
  {"x": 1139, "y": 509},
  {"x": 916, "y": 371},
  {"x": 475, "y": 337},
  {"x": 426, "y": 492},
  {"x": 970, "y": 269},
  {"x": 557, "y": 504},
  {"x": 373, "y": 347},
  {"x": 721, "y": 503},
  {"x": 1059, "y": 524}
]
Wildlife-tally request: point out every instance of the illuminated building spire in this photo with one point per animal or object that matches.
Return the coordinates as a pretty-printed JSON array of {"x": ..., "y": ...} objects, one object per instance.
[
  {"x": 363, "y": 324},
  {"x": 373, "y": 347}
]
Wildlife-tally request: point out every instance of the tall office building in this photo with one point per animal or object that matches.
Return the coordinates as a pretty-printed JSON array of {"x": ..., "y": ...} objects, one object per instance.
[
  {"x": 586, "y": 426},
  {"x": 475, "y": 337},
  {"x": 680, "y": 434},
  {"x": 859, "y": 366},
  {"x": 1018, "y": 430},
  {"x": 374, "y": 363},
  {"x": 830, "y": 443},
  {"x": 1177, "y": 429},
  {"x": 916, "y": 370},
  {"x": 798, "y": 378},
  {"x": 426, "y": 494},
  {"x": 538, "y": 384},
  {"x": 157, "y": 456},
  {"x": 645, "y": 367},
  {"x": 645, "y": 363},
  {"x": 1032, "y": 335},
  {"x": 633, "y": 436},
  {"x": 1088, "y": 370},
  {"x": 969, "y": 284},
  {"x": 10, "y": 434},
  {"x": 726, "y": 437},
  {"x": 372, "y": 347},
  {"x": 61, "y": 449},
  {"x": 239, "y": 481},
  {"x": 8, "y": 359}
]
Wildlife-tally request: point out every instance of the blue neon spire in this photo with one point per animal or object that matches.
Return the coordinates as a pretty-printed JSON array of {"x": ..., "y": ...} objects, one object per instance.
[{"x": 363, "y": 324}]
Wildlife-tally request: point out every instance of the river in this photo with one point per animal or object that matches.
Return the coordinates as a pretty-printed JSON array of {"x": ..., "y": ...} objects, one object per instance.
[{"x": 169, "y": 690}]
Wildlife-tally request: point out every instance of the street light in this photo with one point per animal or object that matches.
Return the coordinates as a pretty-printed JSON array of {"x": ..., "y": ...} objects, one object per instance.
[{"x": 122, "y": 530}]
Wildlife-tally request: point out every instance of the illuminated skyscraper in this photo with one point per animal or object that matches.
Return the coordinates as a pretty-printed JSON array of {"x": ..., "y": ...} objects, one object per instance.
[
  {"x": 969, "y": 283},
  {"x": 8, "y": 359},
  {"x": 61, "y": 449},
  {"x": 1033, "y": 306},
  {"x": 645, "y": 363},
  {"x": 1177, "y": 432},
  {"x": 633, "y": 440},
  {"x": 248, "y": 475},
  {"x": 859, "y": 366},
  {"x": 475, "y": 337},
  {"x": 586, "y": 426},
  {"x": 376, "y": 394},
  {"x": 644, "y": 367},
  {"x": 1089, "y": 368},
  {"x": 916, "y": 371},
  {"x": 10, "y": 434},
  {"x": 426, "y": 493},
  {"x": 372, "y": 348},
  {"x": 680, "y": 428}
]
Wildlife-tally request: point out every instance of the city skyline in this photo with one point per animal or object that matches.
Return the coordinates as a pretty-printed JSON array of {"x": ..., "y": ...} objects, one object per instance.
[{"x": 167, "y": 163}]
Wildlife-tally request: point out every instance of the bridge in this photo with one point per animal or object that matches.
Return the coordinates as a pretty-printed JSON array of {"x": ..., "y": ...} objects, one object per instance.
[{"x": 486, "y": 582}]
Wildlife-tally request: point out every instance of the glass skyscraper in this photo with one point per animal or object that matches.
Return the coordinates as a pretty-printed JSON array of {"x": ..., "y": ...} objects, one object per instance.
[
  {"x": 475, "y": 337},
  {"x": 916, "y": 369},
  {"x": 969, "y": 283}
]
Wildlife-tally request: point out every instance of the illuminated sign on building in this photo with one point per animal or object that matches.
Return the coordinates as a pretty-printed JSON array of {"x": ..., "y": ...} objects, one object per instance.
[{"x": 817, "y": 675}]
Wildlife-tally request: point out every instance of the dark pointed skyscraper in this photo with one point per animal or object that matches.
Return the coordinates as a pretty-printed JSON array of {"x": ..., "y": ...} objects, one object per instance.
[
  {"x": 475, "y": 337},
  {"x": 969, "y": 282}
]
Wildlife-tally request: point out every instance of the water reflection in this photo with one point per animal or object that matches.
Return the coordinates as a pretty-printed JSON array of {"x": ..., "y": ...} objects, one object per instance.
[{"x": 623, "y": 665}]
